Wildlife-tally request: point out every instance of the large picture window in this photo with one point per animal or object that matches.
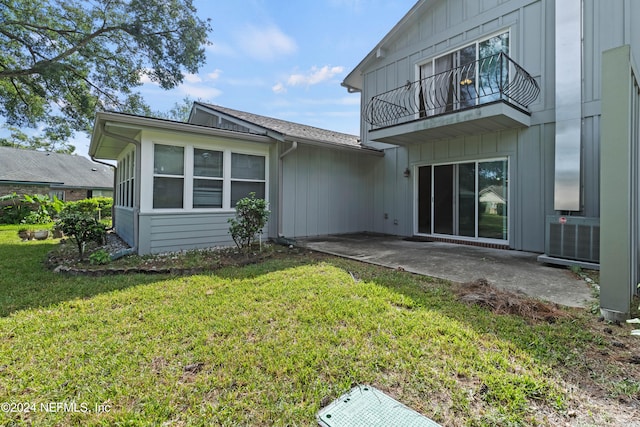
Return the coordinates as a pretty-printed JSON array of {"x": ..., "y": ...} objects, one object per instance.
[{"x": 200, "y": 178}]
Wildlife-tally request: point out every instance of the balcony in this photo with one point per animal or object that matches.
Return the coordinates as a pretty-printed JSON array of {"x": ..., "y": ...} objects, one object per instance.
[{"x": 489, "y": 94}]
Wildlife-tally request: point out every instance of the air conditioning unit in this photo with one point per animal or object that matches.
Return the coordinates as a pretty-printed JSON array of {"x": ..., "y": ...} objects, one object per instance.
[{"x": 573, "y": 238}]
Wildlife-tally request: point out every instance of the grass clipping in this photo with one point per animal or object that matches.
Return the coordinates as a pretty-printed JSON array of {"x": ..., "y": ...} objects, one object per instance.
[{"x": 481, "y": 292}]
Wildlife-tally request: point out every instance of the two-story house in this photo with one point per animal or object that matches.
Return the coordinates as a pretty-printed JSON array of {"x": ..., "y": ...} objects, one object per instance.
[
  {"x": 504, "y": 123},
  {"x": 534, "y": 103}
]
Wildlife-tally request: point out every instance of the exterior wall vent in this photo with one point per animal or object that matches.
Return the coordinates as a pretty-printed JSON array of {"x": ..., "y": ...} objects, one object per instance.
[{"x": 573, "y": 238}]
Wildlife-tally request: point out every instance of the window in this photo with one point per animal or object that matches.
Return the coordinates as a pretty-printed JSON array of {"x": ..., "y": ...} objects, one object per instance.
[
  {"x": 168, "y": 176},
  {"x": 205, "y": 178},
  {"x": 465, "y": 77},
  {"x": 247, "y": 176},
  {"x": 57, "y": 193},
  {"x": 125, "y": 176}
]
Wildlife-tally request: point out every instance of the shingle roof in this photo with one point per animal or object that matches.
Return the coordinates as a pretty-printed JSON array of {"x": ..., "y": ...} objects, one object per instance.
[
  {"x": 66, "y": 170},
  {"x": 290, "y": 129}
]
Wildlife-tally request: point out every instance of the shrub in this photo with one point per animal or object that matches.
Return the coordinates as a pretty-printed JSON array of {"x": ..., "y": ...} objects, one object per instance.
[
  {"x": 99, "y": 207},
  {"x": 100, "y": 257},
  {"x": 45, "y": 208},
  {"x": 14, "y": 210},
  {"x": 82, "y": 228},
  {"x": 251, "y": 216}
]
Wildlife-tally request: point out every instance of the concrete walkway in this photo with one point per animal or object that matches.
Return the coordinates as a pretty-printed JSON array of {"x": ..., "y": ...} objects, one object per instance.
[{"x": 510, "y": 270}]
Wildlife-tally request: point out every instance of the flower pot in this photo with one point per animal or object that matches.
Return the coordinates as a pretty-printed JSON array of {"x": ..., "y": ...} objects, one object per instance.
[
  {"x": 41, "y": 234},
  {"x": 25, "y": 234}
]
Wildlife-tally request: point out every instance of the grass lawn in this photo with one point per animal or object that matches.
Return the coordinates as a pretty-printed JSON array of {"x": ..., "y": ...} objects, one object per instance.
[{"x": 271, "y": 343}]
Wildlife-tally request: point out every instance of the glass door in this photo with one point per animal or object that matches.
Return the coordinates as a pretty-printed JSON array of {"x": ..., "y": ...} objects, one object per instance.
[{"x": 464, "y": 199}]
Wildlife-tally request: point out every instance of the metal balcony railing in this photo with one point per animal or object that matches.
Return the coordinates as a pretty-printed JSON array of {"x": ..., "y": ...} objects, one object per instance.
[{"x": 490, "y": 79}]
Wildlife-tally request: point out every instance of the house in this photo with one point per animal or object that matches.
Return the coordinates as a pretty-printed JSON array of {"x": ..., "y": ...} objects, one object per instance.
[
  {"x": 504, "y": 123},
  {"x": 177, "y": 183},
  {"x": 535, "y": 103},
  {"x": 68, "y": 177}
]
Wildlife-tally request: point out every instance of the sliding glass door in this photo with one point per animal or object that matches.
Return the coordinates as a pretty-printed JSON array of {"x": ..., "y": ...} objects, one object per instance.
[{"x": 467, "y": 199}]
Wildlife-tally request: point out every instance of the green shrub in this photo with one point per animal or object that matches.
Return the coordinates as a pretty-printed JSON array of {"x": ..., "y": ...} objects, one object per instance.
[
  {"x": 251, "y": 216},
  {"x": 100, "y": 257},
  {"x": 82, "y": 228},
  {"x": 43, "y": 208},
  {"x": 98, "y": 207},
  {"x": 14, "y": 210}
]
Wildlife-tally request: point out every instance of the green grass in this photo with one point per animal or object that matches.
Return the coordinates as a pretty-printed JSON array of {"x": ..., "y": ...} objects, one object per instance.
[{"x": 271, "y": 342}]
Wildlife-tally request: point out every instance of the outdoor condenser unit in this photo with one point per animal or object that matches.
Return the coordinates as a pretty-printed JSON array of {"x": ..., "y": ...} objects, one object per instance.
[{"x": 573, "y": 237}]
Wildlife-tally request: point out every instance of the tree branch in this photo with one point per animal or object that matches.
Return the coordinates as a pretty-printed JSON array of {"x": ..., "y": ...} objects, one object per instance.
[{"x": 40, "y": 65}]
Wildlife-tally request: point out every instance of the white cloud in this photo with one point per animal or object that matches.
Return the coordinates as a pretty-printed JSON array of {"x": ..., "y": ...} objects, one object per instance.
[
  {"x": 192, "y": 78},
  {"x": 266, "y": 43},
  {"x": 279, "y": 88},
  {"x": 199, "y": 91},
  {"x": 215, "y": 74},
  {"x": 223, "y": 49},
  {"x": 314, "y": 76}
]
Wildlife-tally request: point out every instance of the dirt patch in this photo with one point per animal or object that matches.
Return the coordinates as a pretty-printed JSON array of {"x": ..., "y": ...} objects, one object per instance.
[
  {"x": 481, "y": 292},
  {"x": 603, "y": 383}
]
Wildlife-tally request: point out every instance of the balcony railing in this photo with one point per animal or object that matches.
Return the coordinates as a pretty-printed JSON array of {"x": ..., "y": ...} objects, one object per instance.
[{"x": 490, "y": 79}]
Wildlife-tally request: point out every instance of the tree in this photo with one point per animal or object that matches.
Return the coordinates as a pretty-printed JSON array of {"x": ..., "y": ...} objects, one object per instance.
[
  {"x": 63, "y": 60},
  {"x": 179, "y": 112},
  {"x": 54, "y": 140}
]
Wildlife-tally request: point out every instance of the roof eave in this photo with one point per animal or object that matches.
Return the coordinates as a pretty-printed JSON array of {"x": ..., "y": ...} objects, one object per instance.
[
  {"x": 354, "y": 82},
  {"x": 325, "y": 144}
]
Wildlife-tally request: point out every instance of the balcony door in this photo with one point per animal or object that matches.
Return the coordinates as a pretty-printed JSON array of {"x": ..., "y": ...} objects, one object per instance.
[
  {"x": 468, "y": 199},
  {"x": 463, "y": 78}
]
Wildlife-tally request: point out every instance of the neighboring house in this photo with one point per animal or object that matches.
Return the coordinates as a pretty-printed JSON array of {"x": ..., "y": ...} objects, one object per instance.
[
  {"x": 536, "y": 98},
  {"x": 504, "y": 123},
  {"x": 68, "y": 177},
  {"x": 177, "y": 183}
]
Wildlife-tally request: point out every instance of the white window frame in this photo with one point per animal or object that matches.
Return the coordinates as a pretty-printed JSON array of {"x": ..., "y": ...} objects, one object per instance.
[
  {"x": 125, "y": 180},
  {"x": 188, "y": 177}
]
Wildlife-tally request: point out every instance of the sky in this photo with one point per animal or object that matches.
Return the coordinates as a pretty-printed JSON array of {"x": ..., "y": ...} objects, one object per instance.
[{"x": 283, "y": 59}]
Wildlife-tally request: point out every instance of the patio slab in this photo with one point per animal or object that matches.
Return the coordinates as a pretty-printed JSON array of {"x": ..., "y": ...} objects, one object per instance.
[{"x": 516, "y": 271}]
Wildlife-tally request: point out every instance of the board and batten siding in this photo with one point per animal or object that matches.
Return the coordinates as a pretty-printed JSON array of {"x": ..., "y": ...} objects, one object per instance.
[
  {"x": 530, "y": 152},
  {"x": 327, "y": 191},
  {"x": 124, "y": 224},
  {"x": 449, "y": 25}
]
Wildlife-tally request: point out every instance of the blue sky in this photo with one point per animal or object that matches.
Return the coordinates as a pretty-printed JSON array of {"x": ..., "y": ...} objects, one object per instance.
[{"x": 284, "y": 58}]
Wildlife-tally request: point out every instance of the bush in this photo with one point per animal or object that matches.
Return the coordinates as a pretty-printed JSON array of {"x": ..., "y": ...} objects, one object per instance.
[
  {"x": 251, "y": 216},
  {"x": 14, "y": 210},
  {"x": 82, "y": 228},
  {"x": 44, "y": 208},
  {"x": 98, "y": 207}
]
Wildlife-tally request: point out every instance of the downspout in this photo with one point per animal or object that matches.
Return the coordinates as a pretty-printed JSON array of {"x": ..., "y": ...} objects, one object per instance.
[
  {"x": 294, "y": 146},
  {"x": 136, "y": 207},
  {"x": 115, "y": 178}
]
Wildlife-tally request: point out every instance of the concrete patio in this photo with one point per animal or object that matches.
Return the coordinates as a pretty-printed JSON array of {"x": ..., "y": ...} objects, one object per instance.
[{"x": 510, "y": 270}]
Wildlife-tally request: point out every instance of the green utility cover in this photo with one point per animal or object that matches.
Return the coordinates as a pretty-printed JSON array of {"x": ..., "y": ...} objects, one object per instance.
[{"x": 367, "y": 406}]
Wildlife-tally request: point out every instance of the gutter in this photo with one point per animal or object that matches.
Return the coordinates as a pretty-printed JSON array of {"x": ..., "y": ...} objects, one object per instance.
[
  {"x": 115, "y": 182},
  {"x": 136, "y": 209},
  {"x": 294, "y": 146}
]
